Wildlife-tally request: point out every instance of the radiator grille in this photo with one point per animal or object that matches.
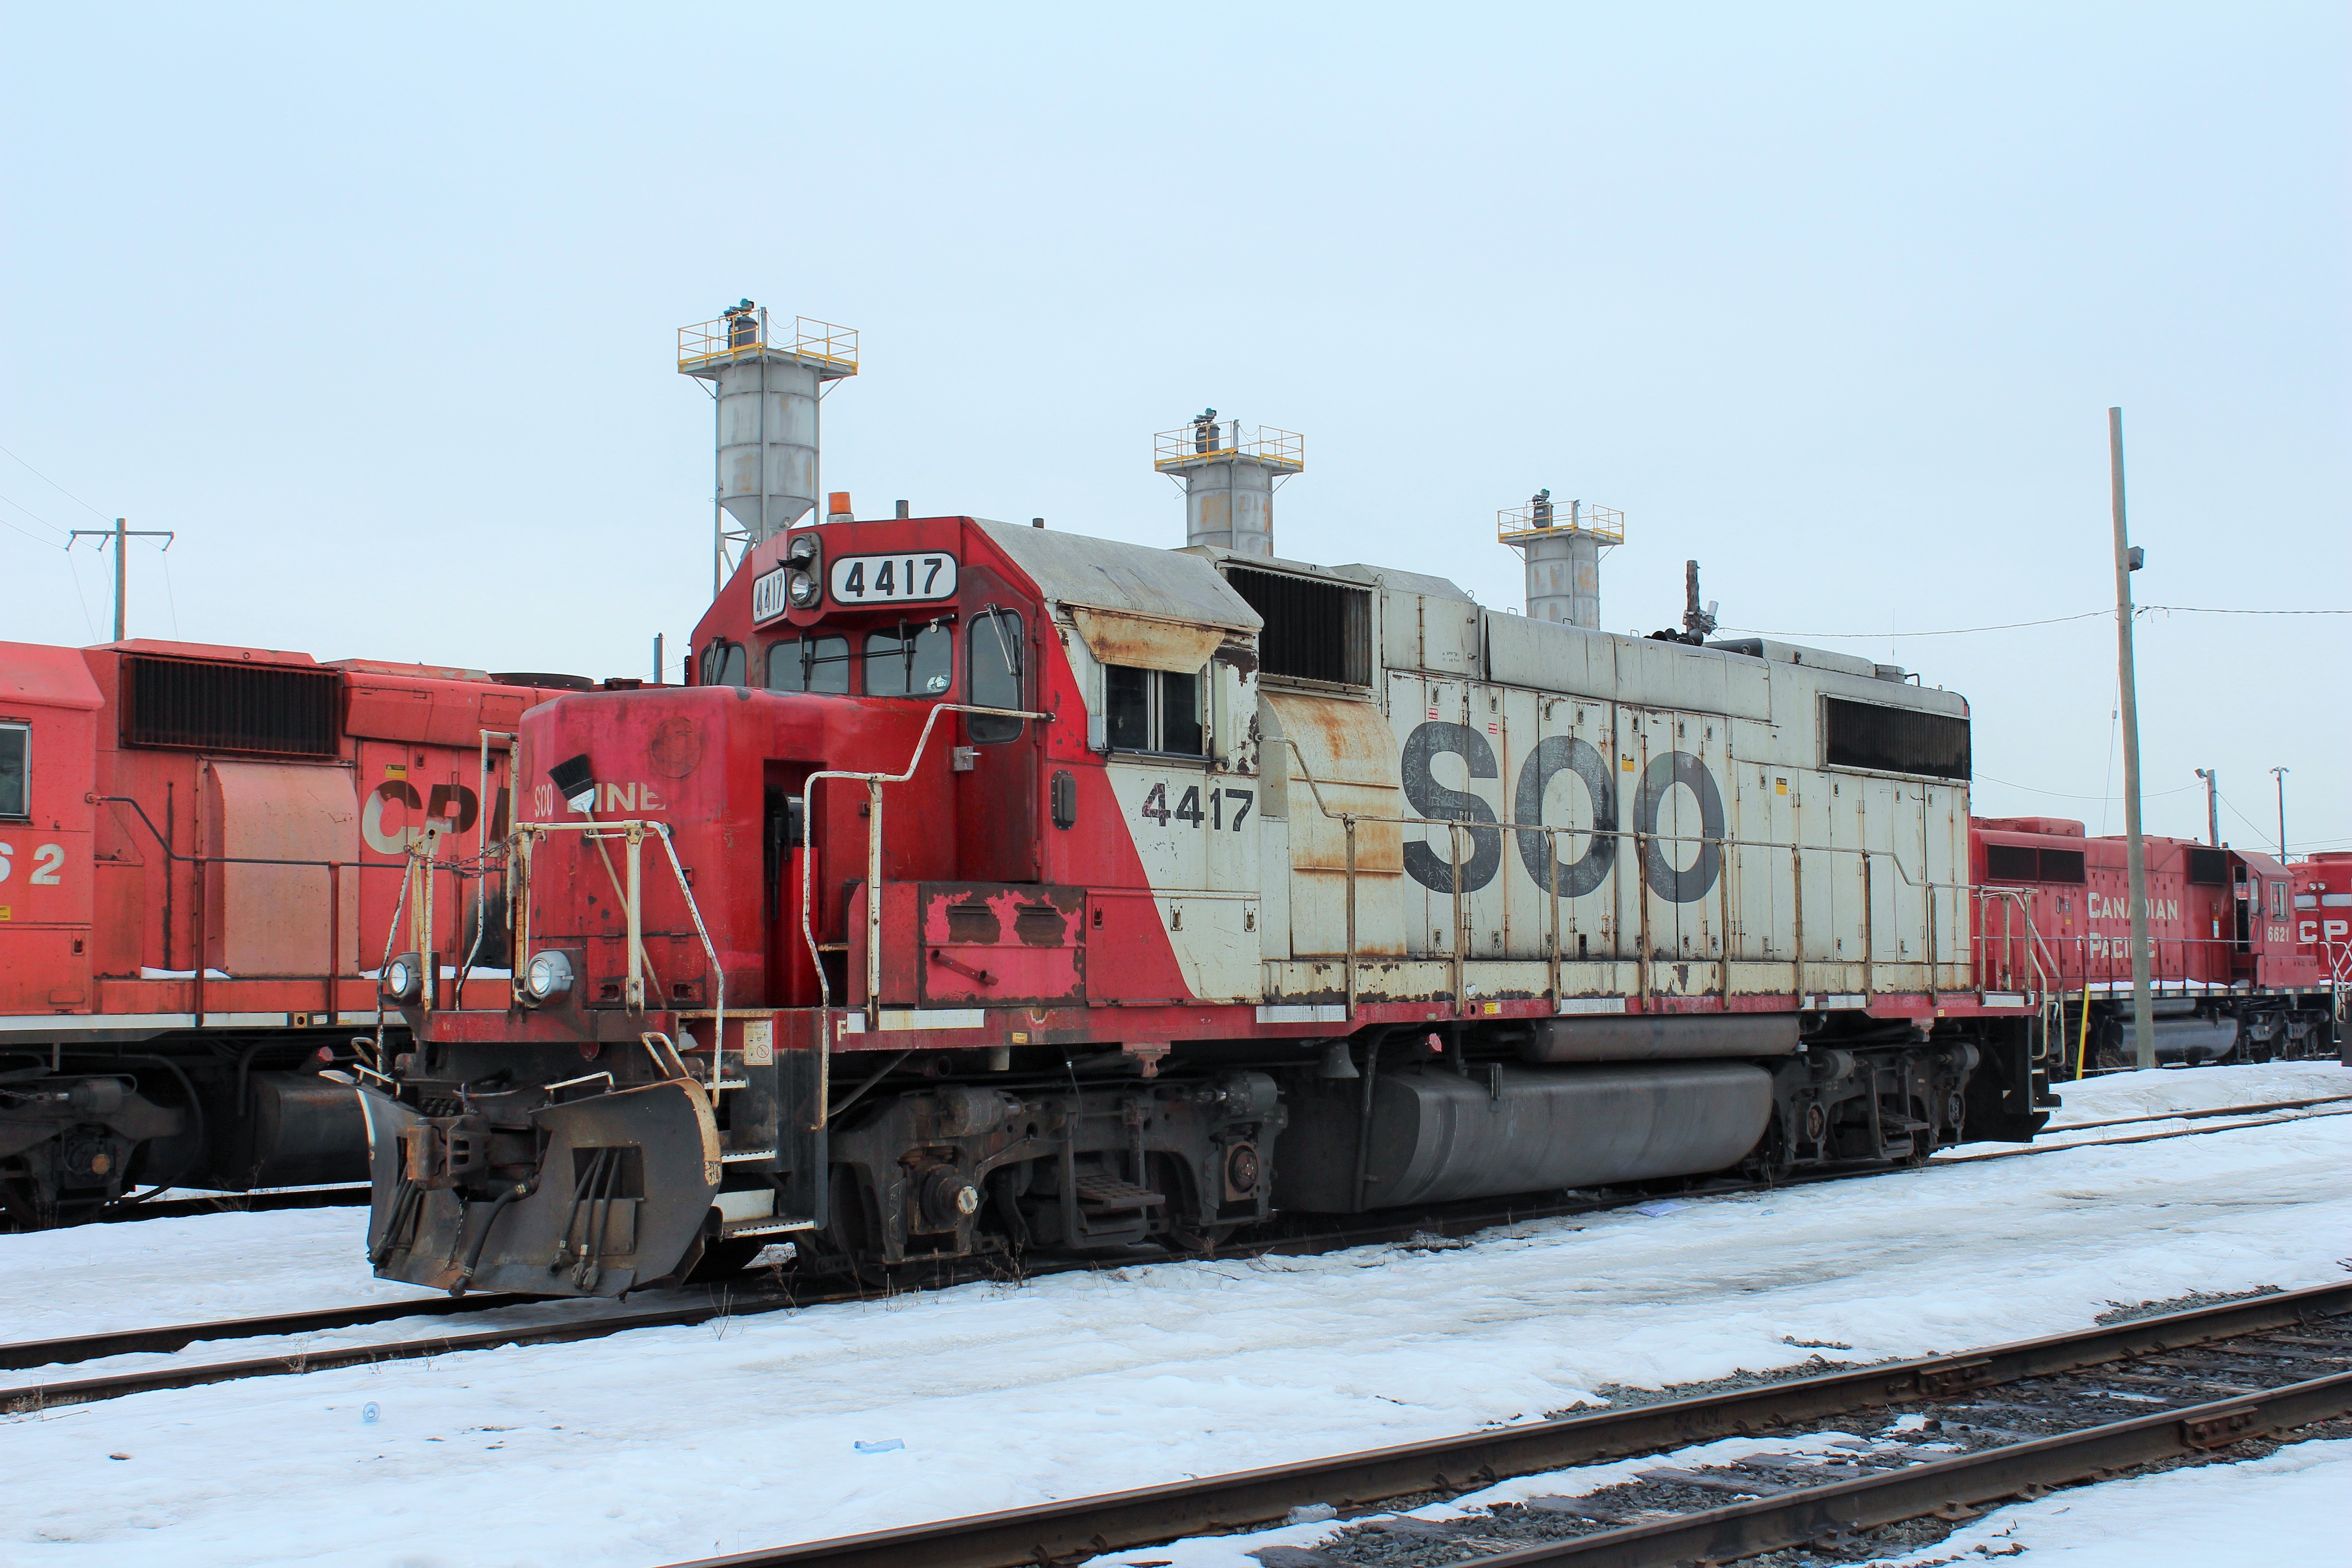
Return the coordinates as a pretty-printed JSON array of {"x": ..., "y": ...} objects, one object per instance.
[
  {"x": 199, "y": 705},
  {"x": 1894, "y": 740},
  {"x": 2024, "y": 863},
  {"x": 1313, "y": 630}
]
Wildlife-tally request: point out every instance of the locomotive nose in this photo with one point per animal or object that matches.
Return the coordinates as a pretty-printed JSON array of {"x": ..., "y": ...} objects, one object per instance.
[{"x": 522, "y": 1192}]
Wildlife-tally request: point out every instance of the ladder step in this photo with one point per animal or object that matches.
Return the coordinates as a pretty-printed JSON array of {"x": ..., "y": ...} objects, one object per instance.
[
  {"x": 1109, "y": 1195},
  {"x": 766, "y": 1224},
  {"x": 727, "y": 1083},
  {"x": 739, "y": 1156}
]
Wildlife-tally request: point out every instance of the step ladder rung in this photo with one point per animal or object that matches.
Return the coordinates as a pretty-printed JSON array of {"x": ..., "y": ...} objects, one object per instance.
[
  {"x": 765, "y": 1225},
  {"x": 741, "y": 1156}
]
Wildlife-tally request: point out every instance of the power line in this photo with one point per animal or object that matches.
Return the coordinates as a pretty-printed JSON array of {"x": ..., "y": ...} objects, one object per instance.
[
  {"x": 1946, "y": 632},
  {"x": 59, "y": 487},
  {"x": 36, "y": 516},
  {"x": 2061, "y": 794},
  {"x": 2198, "y": 610},
  {"x": 2017, "y": 626},
  {"x": 2241, "y": 815}
]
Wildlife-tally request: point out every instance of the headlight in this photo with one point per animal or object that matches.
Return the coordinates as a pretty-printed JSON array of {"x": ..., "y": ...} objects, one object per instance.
[
  {"x": 800, "y": 588},
  {"x": 802, "y": 552},
  {"x": 404, "y": 978},
  {"x": 549, "y": 974}
]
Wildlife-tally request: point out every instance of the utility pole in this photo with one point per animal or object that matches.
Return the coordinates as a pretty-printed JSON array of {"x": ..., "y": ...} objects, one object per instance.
[
  {"x": 2280, "y": 774},
  {"x": 119, "y": 533},
  {"x": 2127, "y": 561},
  {"x": 2212, "y": 777}
]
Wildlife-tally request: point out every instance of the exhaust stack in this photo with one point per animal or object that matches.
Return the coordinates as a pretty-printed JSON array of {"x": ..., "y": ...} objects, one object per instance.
[
  {"x": 1564, "y": 555},
  {"x": 1229, "y": 476}
]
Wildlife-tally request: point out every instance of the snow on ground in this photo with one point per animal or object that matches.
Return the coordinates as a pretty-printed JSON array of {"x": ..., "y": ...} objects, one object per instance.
[
  {"x": 2112, "y": 1095},
  {"x": 2289, "y": 1509},
  {"x": 2285, "y": 1510},
  {"x": 666, "y": 1443}
]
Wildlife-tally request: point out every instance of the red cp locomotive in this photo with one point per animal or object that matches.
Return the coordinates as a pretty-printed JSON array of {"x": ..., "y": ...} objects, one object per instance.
[{"x": 192, "y": 841}]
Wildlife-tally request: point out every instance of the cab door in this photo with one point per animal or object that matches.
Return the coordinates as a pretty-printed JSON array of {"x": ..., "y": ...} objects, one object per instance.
[{"x": 996, "y": 759}]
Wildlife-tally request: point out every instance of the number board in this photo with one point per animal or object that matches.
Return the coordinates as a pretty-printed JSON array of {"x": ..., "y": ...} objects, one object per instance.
[
  {"x": 768, "y": 598},
  {"x": 910, "y": 578}
]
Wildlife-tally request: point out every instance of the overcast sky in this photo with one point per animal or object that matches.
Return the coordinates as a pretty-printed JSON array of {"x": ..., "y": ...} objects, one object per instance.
[{"x": 379, "y": 315}]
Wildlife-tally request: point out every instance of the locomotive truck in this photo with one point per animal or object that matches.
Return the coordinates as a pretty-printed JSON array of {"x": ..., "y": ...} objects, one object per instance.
[{"x": 997, "y": 887}]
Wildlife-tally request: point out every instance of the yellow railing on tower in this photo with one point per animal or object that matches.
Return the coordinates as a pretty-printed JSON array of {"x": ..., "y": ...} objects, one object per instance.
[
  {"x": 1208, "y": 442},
  {"x": 1533, "y": 519},
  {"x": 707, "y": 341}
]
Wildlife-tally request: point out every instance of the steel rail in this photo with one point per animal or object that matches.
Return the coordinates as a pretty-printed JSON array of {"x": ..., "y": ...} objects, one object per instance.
[
  {"x": 1148, "y": 1516},
  {"x": 2014, "y": 1470},
  {"x": 1439, "y": 1223},
  {"x": 123, "y": 1212},
  {"x": 28, "y": 1353}
]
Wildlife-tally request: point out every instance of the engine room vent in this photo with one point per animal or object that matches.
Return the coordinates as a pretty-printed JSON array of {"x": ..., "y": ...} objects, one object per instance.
[
  {"x": 2024, "y": 863},
  {"x": 1894, "y": 740},
  {"x": 1313, "y": 630},
  {"x": 198, "y": 705},
  {"x": 2209, "y": 868}
]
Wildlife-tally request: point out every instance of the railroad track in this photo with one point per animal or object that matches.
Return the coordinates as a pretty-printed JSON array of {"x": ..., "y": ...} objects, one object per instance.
[
  {"x": 2009, "y": 1422},
  {"x": 220, "y": 1203},
  {"x": 733, "y": 1301}
]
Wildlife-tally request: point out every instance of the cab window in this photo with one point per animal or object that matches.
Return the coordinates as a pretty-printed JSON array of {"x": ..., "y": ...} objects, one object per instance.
[
  {"x": 909, "y": 661},
  {"x": 992, "y": 656},
  {"x": 16, "y": 744},
  {"x": 2278, "y": 901},
  {"x": 1151, "y": 710},
  {"x": 811, "y": 664},
  {"x": 722, "y": 664}
]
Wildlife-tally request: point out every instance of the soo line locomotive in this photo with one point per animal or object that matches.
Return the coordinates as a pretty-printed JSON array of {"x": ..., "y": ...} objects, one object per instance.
[{"x": 993, "y": 888}]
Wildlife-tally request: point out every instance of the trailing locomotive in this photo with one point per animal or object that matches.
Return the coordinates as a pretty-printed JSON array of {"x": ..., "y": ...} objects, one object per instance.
[
  {"x": 2236, "y": 968},
  {"x": 192, "y": 840},
  {"x": 998, "y": 887}
]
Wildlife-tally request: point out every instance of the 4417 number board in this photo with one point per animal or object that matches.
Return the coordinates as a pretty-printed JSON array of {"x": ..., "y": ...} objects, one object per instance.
[{"x": 911, "y": 578}]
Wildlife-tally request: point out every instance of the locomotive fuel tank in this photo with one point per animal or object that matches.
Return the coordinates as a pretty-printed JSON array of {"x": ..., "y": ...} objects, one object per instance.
[{"x": 1436, "y": 1134}]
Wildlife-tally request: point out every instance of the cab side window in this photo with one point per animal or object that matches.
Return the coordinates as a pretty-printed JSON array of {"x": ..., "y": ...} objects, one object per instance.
[
  {"x": 15, "y": 747},
  {"x": 992, "y": 656},
  {"x": 814, "y": 664},
  {"x": 722, "y": 664},
  {"x": 1151, "y": 710},
  {"x": 2278, "y": 901}
]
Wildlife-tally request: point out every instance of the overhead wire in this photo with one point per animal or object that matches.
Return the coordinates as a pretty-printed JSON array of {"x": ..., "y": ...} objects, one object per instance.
[
  {"x": 2061, "y": 794},
  {"x": 2048, "y": 621},
  {"x": 57, "y": 487}
]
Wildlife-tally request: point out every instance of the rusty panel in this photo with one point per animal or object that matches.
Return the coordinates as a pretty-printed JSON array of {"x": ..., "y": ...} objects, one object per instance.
[
  {"x": 1353, "y": 756},
  {"x": 1146, "y": 642},
  {"x": 994, "y": 942},
  {"x": 276, "y": 920}
]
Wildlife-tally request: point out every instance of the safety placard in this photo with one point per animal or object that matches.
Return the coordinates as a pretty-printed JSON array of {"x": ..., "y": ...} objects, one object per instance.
[{"x": 912, "y": 578}]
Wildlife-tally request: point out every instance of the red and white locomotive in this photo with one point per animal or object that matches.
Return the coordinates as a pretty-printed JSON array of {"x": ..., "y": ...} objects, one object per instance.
[{"x": 998, "y": 887}]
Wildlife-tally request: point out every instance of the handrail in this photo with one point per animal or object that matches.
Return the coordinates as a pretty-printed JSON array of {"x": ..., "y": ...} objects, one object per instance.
[
  {"x": 632, "y": 831},
  {"x": 874, "y": 783}
]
